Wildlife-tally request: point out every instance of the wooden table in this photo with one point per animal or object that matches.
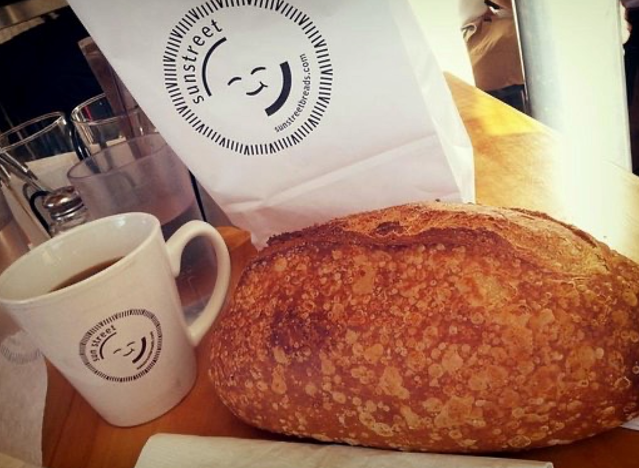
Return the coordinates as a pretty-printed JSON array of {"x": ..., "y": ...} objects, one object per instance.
[{"x": 519, "y": 162}]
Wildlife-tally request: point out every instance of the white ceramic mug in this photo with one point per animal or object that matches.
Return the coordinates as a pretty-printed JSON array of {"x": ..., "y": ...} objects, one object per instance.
[{"x": 119, "y": 336}]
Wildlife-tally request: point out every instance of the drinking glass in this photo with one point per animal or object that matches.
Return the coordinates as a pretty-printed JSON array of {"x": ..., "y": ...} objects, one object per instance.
[
  {"x": 45, "y": 145},
  {"x": 99, "y": 127},
  {"x": 116, "y": 92},
  {"x": 144, "y": 174},
  {"x": 45, "y": 136}
]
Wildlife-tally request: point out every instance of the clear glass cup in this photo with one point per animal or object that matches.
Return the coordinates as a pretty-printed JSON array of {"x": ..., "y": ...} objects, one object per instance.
[
  {"x": 116, "y": 92},
  {"x": 99, "y": 127},
  {"x": 42, "y": 137},
  {"x": 45, "y": 145},
  {"x": 144, "y": 174}
]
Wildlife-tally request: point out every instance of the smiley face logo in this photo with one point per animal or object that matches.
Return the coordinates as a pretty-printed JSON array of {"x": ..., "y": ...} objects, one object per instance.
[
  {"x": 131, "y": 349},
  {"x": 123, "y": 347},
  {"x": 252, "y": 83},
  {"x": 254, "y": 77},
  {"x": 282, "y": 96},
  {"x": 134, "y": 350},
  {"x": 18, "y": 349}
]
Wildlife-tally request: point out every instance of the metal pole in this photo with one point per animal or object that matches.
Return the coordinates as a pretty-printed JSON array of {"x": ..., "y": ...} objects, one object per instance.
[{"x": 573, "y": 63}]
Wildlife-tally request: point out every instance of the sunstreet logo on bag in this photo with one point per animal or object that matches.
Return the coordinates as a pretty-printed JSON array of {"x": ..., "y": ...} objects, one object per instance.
[
  {"x": 123, "y": 347},
  {"x": 254, "y": 76}
]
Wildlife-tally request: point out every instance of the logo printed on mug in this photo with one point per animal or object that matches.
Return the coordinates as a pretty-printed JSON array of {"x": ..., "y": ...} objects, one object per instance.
[
  {"x": 18, "y": 349},
  {"x": 123, "y": 347},
  {"x": 247, "y": 93}
]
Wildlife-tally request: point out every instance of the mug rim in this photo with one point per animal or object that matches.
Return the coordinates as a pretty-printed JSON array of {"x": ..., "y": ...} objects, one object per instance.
[
  {"x": 15, "y": 267},
  {"x": 59, "y": 117}
]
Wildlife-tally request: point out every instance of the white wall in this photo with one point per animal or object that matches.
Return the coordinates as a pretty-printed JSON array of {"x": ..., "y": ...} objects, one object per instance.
[{"x": 440, "y": 22}]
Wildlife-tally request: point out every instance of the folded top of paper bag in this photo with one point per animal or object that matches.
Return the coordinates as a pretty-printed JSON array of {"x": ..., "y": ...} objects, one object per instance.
[{"x": 165, "y": 450}]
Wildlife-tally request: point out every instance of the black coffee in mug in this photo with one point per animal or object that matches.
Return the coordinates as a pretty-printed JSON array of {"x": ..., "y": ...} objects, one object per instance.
[{"x": 87, "y": 273}]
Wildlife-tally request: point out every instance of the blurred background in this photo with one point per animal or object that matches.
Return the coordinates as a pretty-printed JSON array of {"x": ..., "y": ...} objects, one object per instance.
[{"x": 42, "y": 67}]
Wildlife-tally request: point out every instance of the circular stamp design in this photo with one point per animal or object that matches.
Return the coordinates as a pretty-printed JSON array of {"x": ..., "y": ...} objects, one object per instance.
[
  {"x": 123, "y": 347},
  {"x": 18, "y": 349},
  {"x": 253, "y": 76}
]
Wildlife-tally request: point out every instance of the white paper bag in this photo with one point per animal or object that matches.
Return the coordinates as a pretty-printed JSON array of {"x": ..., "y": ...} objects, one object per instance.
[{"x": 291, "y": 112}]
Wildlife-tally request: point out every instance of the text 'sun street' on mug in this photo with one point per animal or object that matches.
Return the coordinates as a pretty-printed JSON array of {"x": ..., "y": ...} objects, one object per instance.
[{"x": 101, "y": 303}]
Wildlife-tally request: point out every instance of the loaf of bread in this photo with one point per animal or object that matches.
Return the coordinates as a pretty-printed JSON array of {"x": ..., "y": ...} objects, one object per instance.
[{"x": 433, "y": 327}]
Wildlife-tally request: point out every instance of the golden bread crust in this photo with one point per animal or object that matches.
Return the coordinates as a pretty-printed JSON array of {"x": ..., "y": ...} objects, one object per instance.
[{"x": 436, "y": 327}]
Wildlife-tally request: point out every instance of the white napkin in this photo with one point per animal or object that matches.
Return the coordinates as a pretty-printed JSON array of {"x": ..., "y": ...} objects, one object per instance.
[
  {"x": 23, "y": 389},
  {"x": 9, "y": 462},
  {"x": 166, "y": 450},
  {"x": 52, "y": 172},
  {"x": 632, "y": 424}
]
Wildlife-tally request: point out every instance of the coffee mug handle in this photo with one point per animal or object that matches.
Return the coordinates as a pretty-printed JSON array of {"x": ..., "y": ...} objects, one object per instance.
[{"x": 175, "y": 245}]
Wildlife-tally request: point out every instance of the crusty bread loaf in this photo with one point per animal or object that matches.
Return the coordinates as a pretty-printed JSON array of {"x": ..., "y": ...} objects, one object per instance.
[{"x": 436, "y": 327}]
